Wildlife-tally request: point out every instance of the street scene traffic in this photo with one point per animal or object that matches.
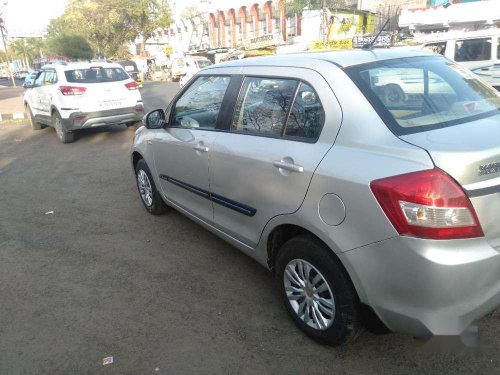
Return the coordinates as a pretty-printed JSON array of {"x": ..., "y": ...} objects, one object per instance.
[{"x": 284, "y": 187}]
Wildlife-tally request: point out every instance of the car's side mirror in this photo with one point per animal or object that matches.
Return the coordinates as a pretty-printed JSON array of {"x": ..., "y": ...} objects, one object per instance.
[{"x": 155, "y": 119}]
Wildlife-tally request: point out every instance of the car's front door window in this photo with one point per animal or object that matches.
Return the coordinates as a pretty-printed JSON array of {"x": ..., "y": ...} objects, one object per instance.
[
  {"x": 39, "y": 80},
  {"x": 199, "y": 105}
]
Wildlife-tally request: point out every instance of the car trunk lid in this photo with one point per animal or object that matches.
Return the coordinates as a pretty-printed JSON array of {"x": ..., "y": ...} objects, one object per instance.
[{"x": 470, "y": 153}]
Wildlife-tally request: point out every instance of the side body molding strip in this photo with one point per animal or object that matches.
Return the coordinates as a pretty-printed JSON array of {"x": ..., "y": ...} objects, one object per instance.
[{"x": 223, "y": 201}]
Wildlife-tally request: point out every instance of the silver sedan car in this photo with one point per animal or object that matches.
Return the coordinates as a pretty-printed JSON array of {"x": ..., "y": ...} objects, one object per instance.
[{"x": 367, "y": 181}]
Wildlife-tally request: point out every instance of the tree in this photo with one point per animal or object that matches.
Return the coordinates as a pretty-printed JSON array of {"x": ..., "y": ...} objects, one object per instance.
[
  {"x": 74, "y": 46},
  {"x": 296, "y": 6},
  {"x": 143, "y": 17},
  {"x": 109, "y": 25},
  {"x": 26, "y": 49}
]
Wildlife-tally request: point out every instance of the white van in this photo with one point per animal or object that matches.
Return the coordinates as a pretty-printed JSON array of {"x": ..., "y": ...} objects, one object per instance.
[{"x": 478, "y": 51}]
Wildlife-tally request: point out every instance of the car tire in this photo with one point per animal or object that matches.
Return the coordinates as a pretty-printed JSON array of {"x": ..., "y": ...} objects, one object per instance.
[
  {"x": 63, "y": 135},
  {"x": 34, "y": 125},
  {"x": 150, "y": 196},
  {"x": 317, "y": 291}
]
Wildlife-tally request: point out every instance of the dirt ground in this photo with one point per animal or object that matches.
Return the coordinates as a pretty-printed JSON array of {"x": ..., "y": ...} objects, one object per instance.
[{"x": 86, "y": 273}]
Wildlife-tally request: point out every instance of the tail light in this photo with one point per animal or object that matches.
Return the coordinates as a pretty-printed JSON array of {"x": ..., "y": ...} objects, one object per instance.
[
  {"x": 427, "y": 204},
  {"x": 132, "y": 85},
  {"x": 72, "y": 90}
]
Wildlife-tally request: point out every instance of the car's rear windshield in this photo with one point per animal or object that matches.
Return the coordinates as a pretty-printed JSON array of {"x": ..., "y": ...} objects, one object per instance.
[
  {"x": 129, "y": 66},
  {"x": 204, "y": 63},
  {"x": 96, "y": 75},
  {"x": 418, "y": 94}
]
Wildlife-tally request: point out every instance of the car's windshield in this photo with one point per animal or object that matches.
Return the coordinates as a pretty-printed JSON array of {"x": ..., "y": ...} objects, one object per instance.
[
  {"x": 419, "y": 94},
  {"x": 95, "y": 75}
]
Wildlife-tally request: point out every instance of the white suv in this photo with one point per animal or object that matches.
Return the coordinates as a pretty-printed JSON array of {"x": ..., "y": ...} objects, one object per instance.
[{"x": 82, "y": 95}]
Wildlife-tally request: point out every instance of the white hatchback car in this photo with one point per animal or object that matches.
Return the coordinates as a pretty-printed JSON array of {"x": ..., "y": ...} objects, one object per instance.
[{"x": 82, "y": 95}]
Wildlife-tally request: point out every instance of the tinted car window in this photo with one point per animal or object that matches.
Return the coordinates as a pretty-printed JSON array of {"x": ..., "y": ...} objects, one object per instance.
[
  {"x": 96, "y": 75},
  {"x": 439, "y": 47},
  {"x": 420, "y": 94},
  {"x": 473, "y": 49},
  {"x": 263, "y": 105},
  {"x": 39, "y": 80},
  {"x": 199, "y": 105},
  {"x": 307, "y": 115},
  {"x": 50, "y": 77}
]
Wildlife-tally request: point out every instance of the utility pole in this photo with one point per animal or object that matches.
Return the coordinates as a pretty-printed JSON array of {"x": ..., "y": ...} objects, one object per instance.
[{"x": 2, "y": 31}]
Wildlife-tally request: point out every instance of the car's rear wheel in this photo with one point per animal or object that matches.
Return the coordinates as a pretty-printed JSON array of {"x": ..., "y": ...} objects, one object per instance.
[
  {"x": 63, "y": 135},
  {"x": 34, "y": 125},
  {"x": 317, "y": 291},
  {"x": 150, "y": 196}
]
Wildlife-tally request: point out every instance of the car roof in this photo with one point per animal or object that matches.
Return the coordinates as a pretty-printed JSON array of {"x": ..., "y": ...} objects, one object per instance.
[
  {"x": 342, "y": 58},
  {"x": 82, "y": 65}
]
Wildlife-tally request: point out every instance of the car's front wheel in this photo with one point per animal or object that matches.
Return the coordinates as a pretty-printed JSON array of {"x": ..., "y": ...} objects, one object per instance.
[
  {"x": 150, "y": 196},
  {"x": 317, "y": 291},
  {"x": 63, "y": 135}
]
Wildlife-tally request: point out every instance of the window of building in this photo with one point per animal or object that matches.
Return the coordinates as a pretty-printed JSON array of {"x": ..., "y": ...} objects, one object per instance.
[{"x": 291, "y": 25}]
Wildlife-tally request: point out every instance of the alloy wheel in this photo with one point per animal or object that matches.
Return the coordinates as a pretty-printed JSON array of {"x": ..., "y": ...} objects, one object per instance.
[
  {"x": 309, "y": 294},
  {"x": 145, "y": 188}
]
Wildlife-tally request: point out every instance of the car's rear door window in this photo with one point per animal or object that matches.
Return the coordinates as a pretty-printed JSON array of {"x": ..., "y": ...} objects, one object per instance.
[
  {"x": 96, "y": 75},
  {"x": 307, "y": 116},
  {"x": 50, "y": 77},
  {"x": 199, "y": 105},
  {"x": 263, "y": 105}
]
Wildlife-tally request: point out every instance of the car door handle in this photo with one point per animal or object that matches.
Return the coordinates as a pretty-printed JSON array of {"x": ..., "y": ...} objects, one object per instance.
[
  {"x": 201, "y": 148},
  {"x": 288, "y": 166}
]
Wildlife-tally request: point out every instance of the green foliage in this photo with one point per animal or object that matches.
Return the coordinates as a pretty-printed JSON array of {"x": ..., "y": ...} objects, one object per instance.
[
  {"x": 296, "y": 6},
  {"x": 109, "y": 25},
  {"x": 26, "y": 49},
  {"x": 76, "y": 47}
]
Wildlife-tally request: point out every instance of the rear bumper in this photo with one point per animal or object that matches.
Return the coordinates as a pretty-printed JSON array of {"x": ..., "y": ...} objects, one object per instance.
[
  {"x": 82, "y": 120},
  {"x": 425, "y": 287}
]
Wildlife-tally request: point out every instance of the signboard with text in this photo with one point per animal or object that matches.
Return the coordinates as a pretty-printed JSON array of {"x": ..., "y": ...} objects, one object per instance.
[
  {"x": 319, "y": 45},
  {"x": 259, "y": 42},
  {"x": 382, "y": 41}
]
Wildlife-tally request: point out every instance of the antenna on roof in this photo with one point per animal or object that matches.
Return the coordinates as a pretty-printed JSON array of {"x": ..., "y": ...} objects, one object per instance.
[{"x": 369, "y": 46}]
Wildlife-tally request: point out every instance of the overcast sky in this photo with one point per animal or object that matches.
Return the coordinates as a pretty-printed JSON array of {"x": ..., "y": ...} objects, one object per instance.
[{"x": 26, "y": 17}]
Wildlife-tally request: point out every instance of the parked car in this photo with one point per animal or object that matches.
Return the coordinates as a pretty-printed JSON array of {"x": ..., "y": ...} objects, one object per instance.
[
  {"x": 4, "y": 74},
  {"x": 77, "y": 96},
  {"x": 131, "y": 68},
  {"x": 21, "y": 74},
  {"x": 478, "y": 51},
  {"x": 191, "y": 67},
  {"x": 362, "y": 205},
  {"x": 30, "y": 78}
]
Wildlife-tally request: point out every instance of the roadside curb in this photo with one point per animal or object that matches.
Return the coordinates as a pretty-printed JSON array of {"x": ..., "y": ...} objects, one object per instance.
[{"x": 16, "y": 116}]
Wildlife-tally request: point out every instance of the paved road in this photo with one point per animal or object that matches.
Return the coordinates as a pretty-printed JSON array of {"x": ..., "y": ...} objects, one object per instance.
[
  {"x": 100, "y": 277},
  {"x": 8, "y": 82}
]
